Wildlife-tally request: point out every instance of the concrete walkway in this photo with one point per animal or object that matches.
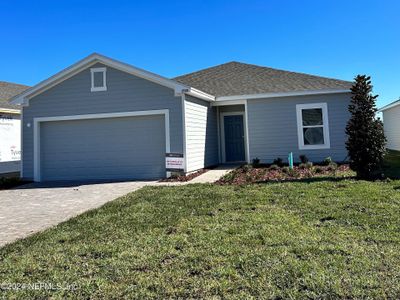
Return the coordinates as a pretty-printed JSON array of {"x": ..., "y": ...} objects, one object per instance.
[
  {"x": 214, "y": 174},
  {"x": 34, "y": 207}
]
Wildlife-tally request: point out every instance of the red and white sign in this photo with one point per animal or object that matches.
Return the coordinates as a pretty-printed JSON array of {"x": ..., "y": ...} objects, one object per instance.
[
  {"x": 174, "y": 162},
  {"x": 10, "y": 143}
]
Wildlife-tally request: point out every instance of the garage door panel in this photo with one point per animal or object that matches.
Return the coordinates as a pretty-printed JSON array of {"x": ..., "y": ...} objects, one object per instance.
[{"x": 111, "y": 148}]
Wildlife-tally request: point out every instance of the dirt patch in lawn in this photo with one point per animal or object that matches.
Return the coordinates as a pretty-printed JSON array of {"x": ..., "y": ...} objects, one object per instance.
[{"x": 248, "y": 174}]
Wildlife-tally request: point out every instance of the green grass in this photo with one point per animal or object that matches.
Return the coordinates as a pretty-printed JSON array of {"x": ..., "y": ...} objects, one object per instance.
[
  {"x": 392, "y": 164},
  {"x": 323, "y": 239}
]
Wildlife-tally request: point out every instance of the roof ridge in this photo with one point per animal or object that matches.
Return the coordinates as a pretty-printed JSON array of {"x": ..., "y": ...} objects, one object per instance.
[
  {"x": 205, "y": 69},
  {"x": 263, "y": 67}
]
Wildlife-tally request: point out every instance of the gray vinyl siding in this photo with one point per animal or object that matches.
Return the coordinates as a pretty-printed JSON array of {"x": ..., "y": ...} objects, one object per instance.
[
  {"x": 201, "y": 134},
  {"x": 125, "y": 92},
  {"x": 110, "y": 148},
  {"x": 272, "y": 127},
  {"x": 391, "y": 119}
]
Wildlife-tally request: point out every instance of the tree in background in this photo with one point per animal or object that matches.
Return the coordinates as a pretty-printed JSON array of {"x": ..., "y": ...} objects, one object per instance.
[{"x": 366, "y": 138}]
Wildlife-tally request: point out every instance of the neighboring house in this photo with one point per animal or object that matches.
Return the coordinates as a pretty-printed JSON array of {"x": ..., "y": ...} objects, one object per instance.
[
  {"x": 10, "y": 133},
  {"x": 104, "y": 119},
  {"x": 391, "y": 124}
]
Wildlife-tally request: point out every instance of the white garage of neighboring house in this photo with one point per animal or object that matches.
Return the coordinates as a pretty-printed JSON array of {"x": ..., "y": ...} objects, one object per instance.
[
  {"x": 10, "y": 128},
  {"x": 391, "y": 124}
]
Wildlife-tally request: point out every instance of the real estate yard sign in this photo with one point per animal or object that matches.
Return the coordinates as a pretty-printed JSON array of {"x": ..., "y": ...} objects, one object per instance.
[
  {"x": 174, "y": 162},
  {"x": 10, "y": 144}
]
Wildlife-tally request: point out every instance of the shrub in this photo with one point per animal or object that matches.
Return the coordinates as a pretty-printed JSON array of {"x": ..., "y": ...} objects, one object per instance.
[
  {"x": 278, "y": 161},
  {"x": 366, "y": 139},
  {"x": 256, "y": 162},
  {"x": 247, "y": 168},
  {"x": 318, "y": 170},
  {"x": 303, "y": 158},
  {"x": 286, "y": 170},
  {"x": 302, "y": 166},
  {"x": 309, "y": 165},
  {"x": 327, "y": 161},
  {"x": 274, "y": 167},
  {"x": 332, "y": 167}
]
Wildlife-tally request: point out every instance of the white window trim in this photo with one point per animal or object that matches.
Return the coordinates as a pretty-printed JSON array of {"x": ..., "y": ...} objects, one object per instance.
[
  {"x": 37, "y": 122},
  {"x": 222, "y": 130},
  {"x": 324, "y": 107},
  {"x": 98, "y": 88}
]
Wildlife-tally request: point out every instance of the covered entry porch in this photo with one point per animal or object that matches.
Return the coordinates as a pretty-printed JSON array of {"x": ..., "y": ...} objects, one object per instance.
[{"x": 233, "y": 142}]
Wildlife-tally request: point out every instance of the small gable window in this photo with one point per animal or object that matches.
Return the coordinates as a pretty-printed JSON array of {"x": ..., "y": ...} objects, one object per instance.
[
  {"x": 98, "y": 79},
  {"x": 313, "y": 126}
]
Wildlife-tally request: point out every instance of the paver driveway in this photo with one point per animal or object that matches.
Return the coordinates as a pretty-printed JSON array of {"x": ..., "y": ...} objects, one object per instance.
[{"x": 35, "y": 207}]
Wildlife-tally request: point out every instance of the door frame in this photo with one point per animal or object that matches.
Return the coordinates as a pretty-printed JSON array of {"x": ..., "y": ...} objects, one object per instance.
[
  {"x": 38, "y": 121},
  {"x": 222, "y": 133}
]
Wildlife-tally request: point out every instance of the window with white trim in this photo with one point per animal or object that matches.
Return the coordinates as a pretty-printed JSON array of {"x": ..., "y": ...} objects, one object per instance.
[
  {"x": 98, "y": 79},
  {"x": 313, "y": 126}
]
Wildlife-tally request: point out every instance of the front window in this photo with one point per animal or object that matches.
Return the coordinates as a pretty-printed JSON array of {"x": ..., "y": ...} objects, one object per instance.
[{"x": 312, "y": 126}]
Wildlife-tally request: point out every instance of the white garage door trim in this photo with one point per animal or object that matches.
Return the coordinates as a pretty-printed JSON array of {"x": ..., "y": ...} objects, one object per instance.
[{"x": 37, "y": 121}]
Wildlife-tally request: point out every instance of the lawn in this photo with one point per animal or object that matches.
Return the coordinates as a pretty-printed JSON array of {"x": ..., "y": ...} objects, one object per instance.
[
  {"x": 323, "y": 239},
  {"x": 392, "y": 164}
]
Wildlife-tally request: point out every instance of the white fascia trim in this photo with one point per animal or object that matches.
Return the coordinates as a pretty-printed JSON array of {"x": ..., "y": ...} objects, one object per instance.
[
  {"x": 10, "y": 111},
  {"x": 98, "y": 88},
  {"x": 23, "y": 98},
  {"x": 325, "y": 121},
  {"x": 37, "y": 121},
  {"x": 280, "y": 94},
  {"x": 228, "y": 102},
  {"x": 200, "y": 94},
  {"x": 390, "y": 105}
]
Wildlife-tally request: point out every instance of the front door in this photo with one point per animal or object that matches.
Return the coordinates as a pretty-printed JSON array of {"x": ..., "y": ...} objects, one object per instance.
[{"x": 234, "y": 138}]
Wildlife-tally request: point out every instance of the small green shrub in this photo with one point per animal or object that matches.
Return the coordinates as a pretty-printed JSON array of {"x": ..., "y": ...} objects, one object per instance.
[
  {"x": 302, "y": 166},
  {"x": 318, "y": 170},
  {"x": 332, "y": 167},
  {"x": 327, "y": 161},
  {"x": 309, "y": 165},
  {"x": 256, "y": 162},
  {"x": 274, "y": 167},
  {"x": 278, "y": 161},
  {"x": 286, "y": 170},
  {"x": 303, "y": 158},
  {"x": 247, "y": 168}
]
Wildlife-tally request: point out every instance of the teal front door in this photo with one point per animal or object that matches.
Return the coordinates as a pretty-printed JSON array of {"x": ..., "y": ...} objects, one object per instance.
[{"x": 234, "y": 138}]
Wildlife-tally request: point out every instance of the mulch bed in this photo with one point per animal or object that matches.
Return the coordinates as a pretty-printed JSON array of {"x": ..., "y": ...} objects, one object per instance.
[
  {"x": 248, "y": 174},
  {"x": 11, "y": 182},
  {"x": 184, "y": 178}
]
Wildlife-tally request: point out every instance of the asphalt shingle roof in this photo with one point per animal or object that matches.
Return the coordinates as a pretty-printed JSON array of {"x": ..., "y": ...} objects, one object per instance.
[
  {"x": 235, "y": 78},
  {"x": 9, "y": 90}
]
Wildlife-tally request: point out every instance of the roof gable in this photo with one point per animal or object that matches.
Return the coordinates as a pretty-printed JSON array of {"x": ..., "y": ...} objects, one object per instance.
[
  {"x": 23, "y": 98},
  {"x": 234, "y": 78}
]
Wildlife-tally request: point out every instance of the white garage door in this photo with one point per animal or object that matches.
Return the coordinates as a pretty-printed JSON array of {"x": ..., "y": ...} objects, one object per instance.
[{"x": 109, "y": 148}]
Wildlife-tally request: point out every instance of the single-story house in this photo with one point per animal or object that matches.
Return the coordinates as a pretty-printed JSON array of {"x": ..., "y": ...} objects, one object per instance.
[
  {"x": 104, "y": 119},
  {"x": 10, "y": 133},
  {"x": 391, "y": 124}
]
